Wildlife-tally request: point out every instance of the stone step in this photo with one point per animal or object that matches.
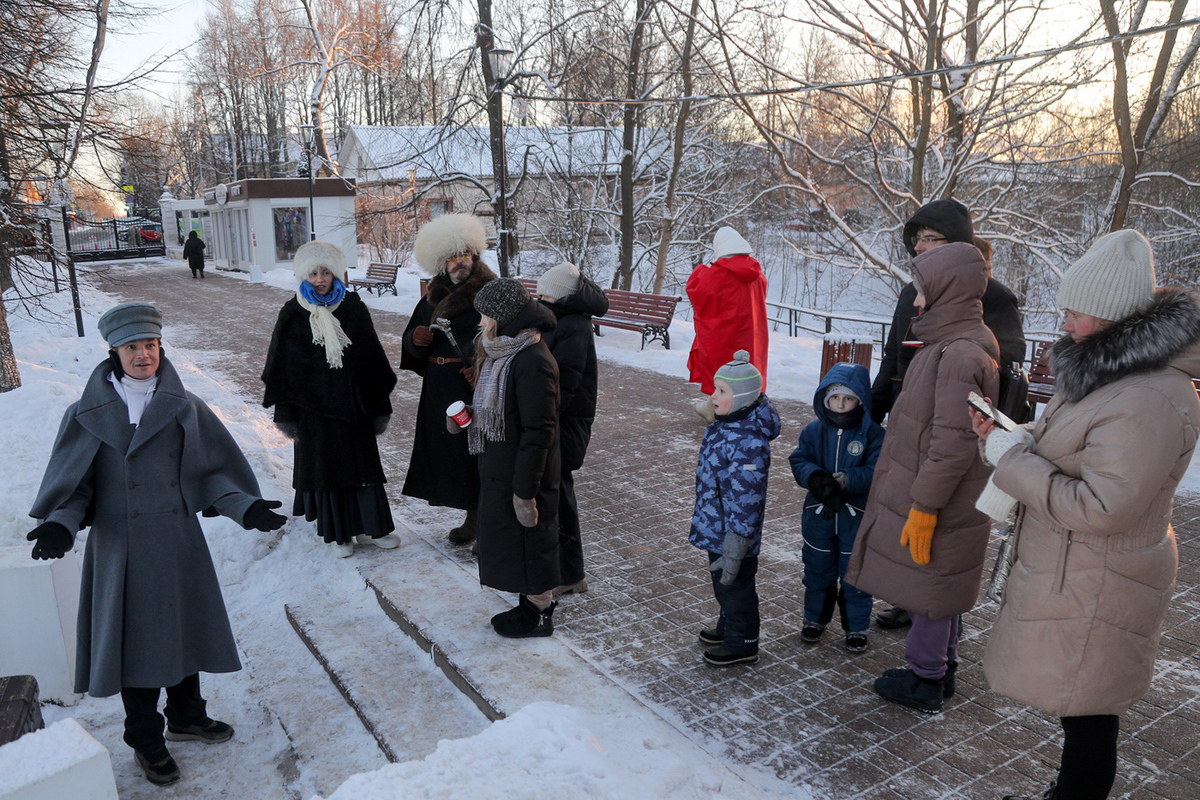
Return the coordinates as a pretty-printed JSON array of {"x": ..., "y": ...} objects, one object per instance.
[{"x": 403, "y": 700}]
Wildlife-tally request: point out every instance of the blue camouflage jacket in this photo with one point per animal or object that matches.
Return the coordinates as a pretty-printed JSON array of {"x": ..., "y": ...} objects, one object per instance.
[
  {"x": 854, "y": 451},
  {"x": 731, "y": 478}
]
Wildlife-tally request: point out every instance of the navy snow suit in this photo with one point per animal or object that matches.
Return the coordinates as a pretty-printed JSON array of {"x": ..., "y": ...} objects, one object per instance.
[
  {"x": 827, "y": 543},
  {"x": 731, "y": 496}
]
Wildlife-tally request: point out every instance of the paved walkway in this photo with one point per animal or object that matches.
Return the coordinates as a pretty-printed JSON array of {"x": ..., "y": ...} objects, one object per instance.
[{"x": 807, "y": 713}]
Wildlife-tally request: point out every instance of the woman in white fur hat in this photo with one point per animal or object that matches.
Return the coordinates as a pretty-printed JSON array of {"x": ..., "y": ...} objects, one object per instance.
[
  {"x": 329, "y": 380},
  {"x": 1078, "y": 628}
]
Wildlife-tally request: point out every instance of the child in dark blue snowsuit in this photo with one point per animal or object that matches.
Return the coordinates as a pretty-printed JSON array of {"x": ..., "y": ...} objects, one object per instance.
[
  {"x": 835, "y": 460},
  {"x": 731, "y": 498}
]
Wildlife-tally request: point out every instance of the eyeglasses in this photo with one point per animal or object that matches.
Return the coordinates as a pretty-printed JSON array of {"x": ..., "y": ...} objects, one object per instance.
[{"x": 927, "y": 239}]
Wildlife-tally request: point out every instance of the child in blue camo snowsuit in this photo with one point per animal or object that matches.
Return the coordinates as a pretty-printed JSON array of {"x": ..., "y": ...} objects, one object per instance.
[
  {"x": 835, "y": 459},
  {"x": 731, "y": 498}
]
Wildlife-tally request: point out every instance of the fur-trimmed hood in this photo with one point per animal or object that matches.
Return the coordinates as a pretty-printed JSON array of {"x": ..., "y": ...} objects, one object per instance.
[
  {"x": 450, "y": 299},
  {"x": 1166, "y": 333}
]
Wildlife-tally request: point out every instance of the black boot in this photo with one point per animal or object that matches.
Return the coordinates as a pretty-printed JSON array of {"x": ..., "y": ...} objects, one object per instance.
[
  {"x": 193, "y": 273},
  {"x": 160, "y": 768},
  {"x": 947, "y": 679},
  {"x": 525, "y": 620},
  {"x": 893, "y": 618},
  {"x": 466, "y": 532},
  {"x": 909, "y": 689}
]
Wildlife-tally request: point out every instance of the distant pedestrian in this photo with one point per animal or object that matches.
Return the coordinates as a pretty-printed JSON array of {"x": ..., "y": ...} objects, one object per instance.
[
  {"x": 1079, "y": 623},
  {"x": 574, "y": 300},
  {"x": 835, "y": 460},
  {"x": 731, "y": 500},
  {"x": 441, "y": 471},
  {"x": 922, "y": 542},
  {"x": 935, "y": 224},
  {"x": 136, "y": 459},
  {"x": 729, "y": 310},
  {"x": 330, "y": 382},
  {"x": 193, "y": 253},
  {"x": 514, "y": 432}
]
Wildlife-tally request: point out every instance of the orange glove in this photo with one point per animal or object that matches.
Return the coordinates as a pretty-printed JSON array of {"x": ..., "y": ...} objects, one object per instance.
[{"x": 917, "y": 535}]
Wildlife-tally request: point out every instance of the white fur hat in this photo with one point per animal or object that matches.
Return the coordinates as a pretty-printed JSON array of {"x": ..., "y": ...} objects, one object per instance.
[
  {"x": 447, "y": 236},
  {"x": 313, "y": 255},
  {"x": 1113, "y": 279},
  {"x": 728, "y": 242}
]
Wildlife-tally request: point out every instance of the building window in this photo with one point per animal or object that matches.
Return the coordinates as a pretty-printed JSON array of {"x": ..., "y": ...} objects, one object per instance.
[
  {"x": 439, "y": 207},
  {"x": 291, "y": 231}
]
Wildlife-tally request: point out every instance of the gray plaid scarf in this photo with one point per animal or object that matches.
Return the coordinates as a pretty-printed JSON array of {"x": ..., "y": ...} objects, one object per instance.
[{"x": 490, "y": 388}]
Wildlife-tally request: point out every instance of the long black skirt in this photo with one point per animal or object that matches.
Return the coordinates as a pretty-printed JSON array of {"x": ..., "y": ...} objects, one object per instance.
[{"x": 342, "y": 514}]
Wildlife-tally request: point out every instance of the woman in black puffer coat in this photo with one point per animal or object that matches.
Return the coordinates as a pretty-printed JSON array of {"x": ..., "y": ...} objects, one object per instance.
[
  {"x": 574, "y": 300},
  {"x": 514, "y": 431}
]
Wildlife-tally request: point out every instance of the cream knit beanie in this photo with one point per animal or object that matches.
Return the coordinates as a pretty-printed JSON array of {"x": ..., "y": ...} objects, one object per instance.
[
  {"x": 728, "y": 242},
  {"x": 559, "y": 281},
  {"x": 1113, "y": 279}
]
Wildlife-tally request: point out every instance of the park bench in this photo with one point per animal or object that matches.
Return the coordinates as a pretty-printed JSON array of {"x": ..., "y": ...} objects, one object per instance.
[
  {"x": 650, "y": 314},
  {"x": 379, "y": 278}
]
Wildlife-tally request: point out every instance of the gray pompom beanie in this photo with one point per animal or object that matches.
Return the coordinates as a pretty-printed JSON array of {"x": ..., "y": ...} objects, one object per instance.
[
  {"x": 561, "y": 280},
  {"x": 501, "y": 299},
  {"x": 129, "y": 322},
  {"x": 743, "y": 378},
  {"x": 1113, "y": 279}
]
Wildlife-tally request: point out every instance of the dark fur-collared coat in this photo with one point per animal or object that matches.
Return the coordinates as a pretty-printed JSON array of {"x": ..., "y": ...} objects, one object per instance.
[
  {"x": 441, "y": 471},
  {"x": 150, "y": 606}
]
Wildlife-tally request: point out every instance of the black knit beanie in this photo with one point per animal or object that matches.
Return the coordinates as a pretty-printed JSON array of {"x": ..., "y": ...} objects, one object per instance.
[{"x": 501, "y": 299}]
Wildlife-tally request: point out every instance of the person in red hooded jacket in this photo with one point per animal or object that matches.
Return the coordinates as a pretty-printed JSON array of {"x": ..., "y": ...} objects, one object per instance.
[{"x": 729, "y": 304}]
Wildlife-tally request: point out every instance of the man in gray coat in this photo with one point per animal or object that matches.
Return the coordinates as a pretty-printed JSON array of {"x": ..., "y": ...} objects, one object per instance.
[{"x": 136, "y": 458}]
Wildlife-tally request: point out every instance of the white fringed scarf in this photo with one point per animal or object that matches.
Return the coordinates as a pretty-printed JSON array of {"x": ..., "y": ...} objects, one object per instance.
[{"x": 326, "y": 330}]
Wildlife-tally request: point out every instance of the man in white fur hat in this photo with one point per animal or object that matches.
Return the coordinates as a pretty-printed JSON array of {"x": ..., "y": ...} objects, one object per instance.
[{"x": 441, "y": 471}]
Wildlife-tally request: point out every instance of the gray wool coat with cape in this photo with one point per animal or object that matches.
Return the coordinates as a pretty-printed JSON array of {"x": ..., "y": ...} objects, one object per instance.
[{"x": 150, "y": 606}]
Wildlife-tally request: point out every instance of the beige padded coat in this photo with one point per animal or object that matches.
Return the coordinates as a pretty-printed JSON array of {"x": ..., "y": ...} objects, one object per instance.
[
  {"x": 930, "y": 455},
  {"x": 1078, "y": 628}
]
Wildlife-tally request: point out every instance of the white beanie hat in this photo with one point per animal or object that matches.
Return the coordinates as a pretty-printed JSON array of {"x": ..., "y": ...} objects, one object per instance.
[
  {"x": 728, "y": 242},
  {"x": 561, "y": 280},
  {"x": 449, "y": 235},
  {"x": 311, "y": 256},
  {"x": 840, "y": 388},
  {"x": 1113, "y": 279}
]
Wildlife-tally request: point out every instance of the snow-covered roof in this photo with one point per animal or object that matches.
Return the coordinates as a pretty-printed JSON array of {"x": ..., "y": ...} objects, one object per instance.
[{"x": 401, "y": 153}]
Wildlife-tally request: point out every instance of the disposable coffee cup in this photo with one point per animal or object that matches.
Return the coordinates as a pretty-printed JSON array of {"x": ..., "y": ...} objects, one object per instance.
[{"x": 459, "y": 413}]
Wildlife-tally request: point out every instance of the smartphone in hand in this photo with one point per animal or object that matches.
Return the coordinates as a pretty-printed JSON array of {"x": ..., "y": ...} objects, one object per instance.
[{"x": 991, "y": 412}]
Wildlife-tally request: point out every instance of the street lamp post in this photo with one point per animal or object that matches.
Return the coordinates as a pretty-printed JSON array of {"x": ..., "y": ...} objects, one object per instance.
[
  {"x": 312, "y": 217},
  {"x": 59, "y": 193},
  {"x": 498, "y": 61}
]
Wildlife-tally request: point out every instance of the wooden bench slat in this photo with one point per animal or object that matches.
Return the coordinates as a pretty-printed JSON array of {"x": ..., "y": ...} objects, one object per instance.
[{"x": 379, "y": 277}]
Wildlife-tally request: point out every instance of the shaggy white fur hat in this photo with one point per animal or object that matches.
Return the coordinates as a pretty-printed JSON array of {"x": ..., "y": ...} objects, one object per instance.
[
  {"x": 445, "y": 237},
  {"x": 1113, "y": 279},
  {"x": 312, "y": 255},
  {"x": 728, "y": 242}
]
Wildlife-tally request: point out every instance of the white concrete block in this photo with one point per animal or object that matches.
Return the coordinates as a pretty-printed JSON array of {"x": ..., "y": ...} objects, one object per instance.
[
  {"x": 56, "y": 763},
  {"x": 39, "y": 601}
]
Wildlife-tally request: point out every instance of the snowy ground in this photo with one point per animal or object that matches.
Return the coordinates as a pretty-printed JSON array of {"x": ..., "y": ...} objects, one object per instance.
[{"x": 543, "y": 750}]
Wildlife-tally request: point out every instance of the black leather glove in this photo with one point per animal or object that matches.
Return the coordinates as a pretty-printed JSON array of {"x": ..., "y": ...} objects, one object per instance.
[
  {"x": 260, "y": 516},
  {"x": 52, "y": 540}
]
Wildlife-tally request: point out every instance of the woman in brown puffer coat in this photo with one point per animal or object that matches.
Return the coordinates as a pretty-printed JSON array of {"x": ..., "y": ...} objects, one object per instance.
[
  {"x": 922, "y": 542},
  {"x": 1078, "y": 628}
]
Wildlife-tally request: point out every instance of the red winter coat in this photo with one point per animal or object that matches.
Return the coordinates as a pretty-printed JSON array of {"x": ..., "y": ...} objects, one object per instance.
[{"x": 729, "y": 301}]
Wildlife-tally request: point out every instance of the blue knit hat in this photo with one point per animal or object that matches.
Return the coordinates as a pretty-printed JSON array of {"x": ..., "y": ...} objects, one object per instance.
[{"x": 129, "y": 322}]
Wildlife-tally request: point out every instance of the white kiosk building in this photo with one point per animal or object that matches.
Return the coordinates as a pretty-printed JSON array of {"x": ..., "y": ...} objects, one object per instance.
[{"x": 256, "y": 224}]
